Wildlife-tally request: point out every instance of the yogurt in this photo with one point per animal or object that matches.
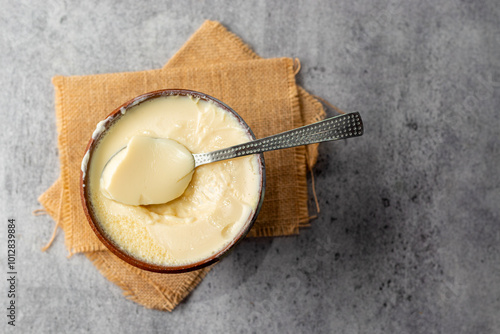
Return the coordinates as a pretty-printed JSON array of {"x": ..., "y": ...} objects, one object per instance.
[
  {"x": 219, "y": 198},
  {"x": 148, "y": 171}
]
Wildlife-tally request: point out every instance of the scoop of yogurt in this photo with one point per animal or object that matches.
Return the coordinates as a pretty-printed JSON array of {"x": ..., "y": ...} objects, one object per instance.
[{"x": 148, "y": 171}]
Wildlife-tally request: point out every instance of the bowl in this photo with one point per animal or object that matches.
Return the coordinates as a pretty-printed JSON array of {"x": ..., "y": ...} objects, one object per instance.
[{"x": 88, "y": 208}]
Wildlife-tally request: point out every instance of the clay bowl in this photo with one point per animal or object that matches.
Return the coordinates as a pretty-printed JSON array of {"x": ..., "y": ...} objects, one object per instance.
[{"x": 87, "y": 205}]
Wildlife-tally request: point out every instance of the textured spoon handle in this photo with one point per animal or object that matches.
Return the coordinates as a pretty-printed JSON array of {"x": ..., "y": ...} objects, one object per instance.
[{"x": 338, "y": 127}]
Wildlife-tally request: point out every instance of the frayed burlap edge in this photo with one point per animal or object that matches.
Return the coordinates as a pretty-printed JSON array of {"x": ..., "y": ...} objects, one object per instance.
[
  {"x": 64, "y": 210},
  {"x": 169, "y": 299},
  {"x": 238, "y": 45}
]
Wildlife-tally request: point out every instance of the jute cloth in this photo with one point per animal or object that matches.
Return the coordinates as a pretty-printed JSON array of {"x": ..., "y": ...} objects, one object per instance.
[{"x": 213, "y": 61}]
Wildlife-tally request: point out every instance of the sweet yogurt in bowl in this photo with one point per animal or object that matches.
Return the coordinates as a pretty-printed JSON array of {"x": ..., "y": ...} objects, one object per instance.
[{"x": 217, "y": 204}]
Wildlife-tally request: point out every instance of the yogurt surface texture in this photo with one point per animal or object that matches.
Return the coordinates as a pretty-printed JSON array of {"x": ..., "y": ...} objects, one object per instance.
[{"x": 217, "y": 204}]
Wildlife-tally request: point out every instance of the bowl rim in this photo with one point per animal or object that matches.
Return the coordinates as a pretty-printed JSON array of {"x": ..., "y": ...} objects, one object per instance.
[{"x": 103, "y": 126}]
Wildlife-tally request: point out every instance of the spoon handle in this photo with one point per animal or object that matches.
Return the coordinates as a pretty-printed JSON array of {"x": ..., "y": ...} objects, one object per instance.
[{"x": 333, "y": 128}]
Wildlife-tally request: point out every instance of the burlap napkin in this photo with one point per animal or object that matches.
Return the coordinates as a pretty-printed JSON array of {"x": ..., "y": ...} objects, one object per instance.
[{"x": 214, "y": 61}]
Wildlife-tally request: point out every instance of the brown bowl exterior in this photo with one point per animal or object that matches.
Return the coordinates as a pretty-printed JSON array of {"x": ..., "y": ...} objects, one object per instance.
[{"x": 87, "y": 205}]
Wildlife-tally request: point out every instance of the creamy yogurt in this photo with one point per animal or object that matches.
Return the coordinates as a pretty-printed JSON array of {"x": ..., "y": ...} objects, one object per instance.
[
  {"x": 214, "y": 208},
  {"x": 148, "y": 171}
]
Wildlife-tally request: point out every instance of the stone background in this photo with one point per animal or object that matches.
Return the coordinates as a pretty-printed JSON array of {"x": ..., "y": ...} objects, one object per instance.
[{"x": 408, "y": 237}]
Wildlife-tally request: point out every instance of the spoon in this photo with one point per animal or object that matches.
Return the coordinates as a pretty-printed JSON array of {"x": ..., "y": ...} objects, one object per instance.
[{"x": 167, "y": 171}]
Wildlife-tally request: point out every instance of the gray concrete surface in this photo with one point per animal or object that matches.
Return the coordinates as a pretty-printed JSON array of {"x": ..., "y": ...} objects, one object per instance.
[{"x": 408, "y": 238}]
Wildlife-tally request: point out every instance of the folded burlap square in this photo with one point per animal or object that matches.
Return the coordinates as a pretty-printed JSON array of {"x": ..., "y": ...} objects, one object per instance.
[{"x": 216, "y": 62}]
